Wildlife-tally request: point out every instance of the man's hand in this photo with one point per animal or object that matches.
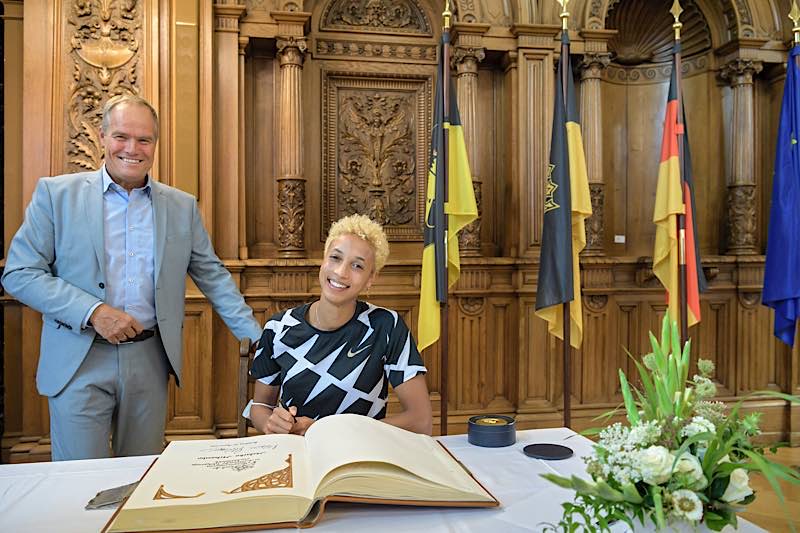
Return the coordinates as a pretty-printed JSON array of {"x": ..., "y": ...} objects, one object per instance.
[{"x": 114, "y": 325}]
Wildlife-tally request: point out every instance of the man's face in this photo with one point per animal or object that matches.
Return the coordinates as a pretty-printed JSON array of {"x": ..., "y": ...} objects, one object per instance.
[{"x": 130, "y": 144}]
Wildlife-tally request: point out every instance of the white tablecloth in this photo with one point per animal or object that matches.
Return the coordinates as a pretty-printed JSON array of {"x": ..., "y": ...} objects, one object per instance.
[{"x": 50, "y": 497}]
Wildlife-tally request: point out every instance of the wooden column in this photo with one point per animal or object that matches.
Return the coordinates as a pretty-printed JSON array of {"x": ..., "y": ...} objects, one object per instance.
[
  {"x": 242, "y": 221},
  {"x": 291, "y": 182},
  {"x": 742, "y": 230},
  {"x": 592, "y": 67},
  {"x": 466, "y": 56},
  {"x": 226, "y": 130}
]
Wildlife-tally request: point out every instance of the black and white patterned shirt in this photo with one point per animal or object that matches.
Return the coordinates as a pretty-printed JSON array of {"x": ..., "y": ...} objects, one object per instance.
[{"x": 342, "y": 371}]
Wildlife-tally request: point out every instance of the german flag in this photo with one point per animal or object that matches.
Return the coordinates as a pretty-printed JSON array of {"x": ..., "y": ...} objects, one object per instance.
[
  {"x": 567, "y": 205},
  {"x": 672, "y": 199},
  {"x": 441, "y": 266}
]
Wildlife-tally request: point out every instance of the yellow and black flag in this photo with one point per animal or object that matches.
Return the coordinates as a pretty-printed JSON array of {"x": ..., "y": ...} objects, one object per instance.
[
  {"x": 567, "y": 205},
  {"x": 440, "y": 261}
]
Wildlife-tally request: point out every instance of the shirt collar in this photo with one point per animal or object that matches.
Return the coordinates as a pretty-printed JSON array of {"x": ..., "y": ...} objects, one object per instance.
[{"x": 108, "y": 182}]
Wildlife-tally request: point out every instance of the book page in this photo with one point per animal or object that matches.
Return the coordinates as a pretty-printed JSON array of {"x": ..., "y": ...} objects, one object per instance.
[
  {"x": 361, "y": 439},
  {"x": 209, "y": 471}
]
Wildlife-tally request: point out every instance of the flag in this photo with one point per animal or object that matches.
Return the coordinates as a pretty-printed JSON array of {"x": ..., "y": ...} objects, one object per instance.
[
  {"x": 672, "y": 199},
  {"x": 782, "y": 269},
  {"x": 567, "y": 204},
  {"x": 440, "y": 261}
]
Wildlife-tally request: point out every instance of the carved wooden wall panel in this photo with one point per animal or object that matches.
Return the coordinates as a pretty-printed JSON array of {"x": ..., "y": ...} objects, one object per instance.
[
  {"x": 375, "y": 132},
  {"x": 190, "y": 407}
]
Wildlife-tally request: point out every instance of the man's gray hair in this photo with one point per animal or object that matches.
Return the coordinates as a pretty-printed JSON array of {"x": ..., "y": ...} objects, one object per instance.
[{"x": 126, "y": 99}]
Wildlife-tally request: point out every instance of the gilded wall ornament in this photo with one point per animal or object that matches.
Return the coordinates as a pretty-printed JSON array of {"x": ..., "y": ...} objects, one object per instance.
[{"x": 103, "y": 52}]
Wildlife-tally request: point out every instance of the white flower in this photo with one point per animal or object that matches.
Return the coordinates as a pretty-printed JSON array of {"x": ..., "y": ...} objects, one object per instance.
[
  {"x": 655, "y": 464},
  {"x": 686, "y": 504},
  {"x": 698, "y": 425},
  {"x": 738, "y": 486},
  {"x": 690, "y": 466}
]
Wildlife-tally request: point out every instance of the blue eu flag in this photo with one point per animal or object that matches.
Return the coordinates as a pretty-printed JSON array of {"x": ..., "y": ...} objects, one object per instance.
[{"x": 782, "y": 271}]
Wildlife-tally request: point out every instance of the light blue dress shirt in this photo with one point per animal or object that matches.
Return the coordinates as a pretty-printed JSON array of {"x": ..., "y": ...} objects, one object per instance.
[{"x": 128, "y": 236}]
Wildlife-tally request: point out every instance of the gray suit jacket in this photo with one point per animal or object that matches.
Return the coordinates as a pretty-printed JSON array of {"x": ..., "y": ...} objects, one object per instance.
[{"x": 56, "y": 265}]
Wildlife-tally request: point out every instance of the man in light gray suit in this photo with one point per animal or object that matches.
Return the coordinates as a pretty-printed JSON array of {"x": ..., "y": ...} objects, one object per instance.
[{"x": 103, "y": 256}]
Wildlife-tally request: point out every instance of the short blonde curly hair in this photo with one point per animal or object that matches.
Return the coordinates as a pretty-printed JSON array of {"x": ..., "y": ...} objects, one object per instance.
[{"x": 364, "y": 227}]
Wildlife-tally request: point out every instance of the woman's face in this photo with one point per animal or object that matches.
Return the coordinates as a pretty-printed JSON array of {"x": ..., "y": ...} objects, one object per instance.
[{"x": 347, "y": 268}]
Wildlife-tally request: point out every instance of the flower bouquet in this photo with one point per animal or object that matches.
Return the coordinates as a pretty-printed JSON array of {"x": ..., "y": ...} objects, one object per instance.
[{"x": 682, "y": 458}]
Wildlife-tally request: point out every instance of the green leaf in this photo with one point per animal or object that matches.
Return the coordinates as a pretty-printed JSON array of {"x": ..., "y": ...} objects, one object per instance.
[
  {"x": 558, "y": 480},
  {"x": 630, "y": 405},
  {"x": 631, "y": 494},
  {"x": 665, "y": 333},
  {"x": 658, "y": 507}
]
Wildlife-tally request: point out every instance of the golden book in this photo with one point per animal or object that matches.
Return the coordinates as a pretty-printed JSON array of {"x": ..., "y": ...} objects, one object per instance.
[{"x": 285, "y": 480}]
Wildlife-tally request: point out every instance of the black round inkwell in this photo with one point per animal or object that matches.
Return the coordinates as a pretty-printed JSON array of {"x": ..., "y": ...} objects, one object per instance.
[{"x": 492, "y": 431}]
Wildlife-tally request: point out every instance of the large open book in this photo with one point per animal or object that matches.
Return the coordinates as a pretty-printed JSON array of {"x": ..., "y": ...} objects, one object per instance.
[{"x": 285, "y": 480}]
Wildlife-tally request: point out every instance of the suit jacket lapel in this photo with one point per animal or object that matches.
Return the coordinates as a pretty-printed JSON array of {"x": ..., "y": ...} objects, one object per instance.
[
  {"x": 93, "y": 206},
  {"x": 160, "y": 217}
]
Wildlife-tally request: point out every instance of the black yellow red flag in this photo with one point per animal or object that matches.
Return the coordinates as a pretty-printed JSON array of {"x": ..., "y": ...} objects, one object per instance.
[{"x": 674, "y": 198}]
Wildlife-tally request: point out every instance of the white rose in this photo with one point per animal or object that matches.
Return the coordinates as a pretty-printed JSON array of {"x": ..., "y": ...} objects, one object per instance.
[
  {"x": 689, "y": 465},
  {"x": 655, "y": 464},
  {"x": 738, "y": 486},
  {"x": 686, "y": 504}
]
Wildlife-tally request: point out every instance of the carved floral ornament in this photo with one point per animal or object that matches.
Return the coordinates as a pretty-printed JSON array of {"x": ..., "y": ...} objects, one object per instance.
[
  {"x": 103, "y": 46},
  {"x": 376, "y": 16}
]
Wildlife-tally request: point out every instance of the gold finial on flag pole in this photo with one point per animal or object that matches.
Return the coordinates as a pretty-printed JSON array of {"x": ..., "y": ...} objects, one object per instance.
[
  {"x": 447, "y": 14},
  {"x": 794, "y": 14},
  {"x": 676, "y": 12},
  {"x": 564, "y": 14}
]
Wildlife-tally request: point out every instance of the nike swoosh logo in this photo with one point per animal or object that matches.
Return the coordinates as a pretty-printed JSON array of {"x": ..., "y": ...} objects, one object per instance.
[{"x": 351, "y": 353}]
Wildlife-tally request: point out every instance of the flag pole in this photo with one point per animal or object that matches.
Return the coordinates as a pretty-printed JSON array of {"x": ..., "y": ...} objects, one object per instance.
[
  {"x": 794, "y": 14},
  {"x": 566, "y": 320},
  {"x": 445, "y": 162},
  {"x": 682, "y": 295}
]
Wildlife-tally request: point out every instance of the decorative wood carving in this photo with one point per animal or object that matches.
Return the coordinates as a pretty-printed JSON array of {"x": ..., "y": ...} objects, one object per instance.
[
  {"x": 646, "y": 34},
  {"x": 291, "y": 182},
  {"x": 103, "y": 51},
  {"x": 375, "y": 146},
  {"x": 466, "y": 11},
  {"x": 741, "y": 71},
  {"x": 469, "y": 238},
  {"x": 376, "y": 51},
  {"x": 742, "y": 219},
  {"x": 596, "y": 302},
  {"x": 647, "y": 74},
  {"x": 595, "y": 228},
  {"x": 376, "y": 16},
  {"x": 376, "y": 156},
  {"x": 291, "y": 214},
  {"x": 471, "y": 305}
]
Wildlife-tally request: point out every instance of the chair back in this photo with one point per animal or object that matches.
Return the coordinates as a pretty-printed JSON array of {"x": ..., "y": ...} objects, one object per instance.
[{"x": 245, "y": 392}]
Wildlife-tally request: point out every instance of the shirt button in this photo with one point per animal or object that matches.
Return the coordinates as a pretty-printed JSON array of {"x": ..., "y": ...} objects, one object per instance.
[
  {"x": 130, "y": 228},
  {"x": 130, "y": 280},
  {"x": 131, "y": 254}
]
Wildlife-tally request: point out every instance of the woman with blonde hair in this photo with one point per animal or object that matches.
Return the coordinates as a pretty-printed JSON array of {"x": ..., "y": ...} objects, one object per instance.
[{"x": 338, "y": 354}]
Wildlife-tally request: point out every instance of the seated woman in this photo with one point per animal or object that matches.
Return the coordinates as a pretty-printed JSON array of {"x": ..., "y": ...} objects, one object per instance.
[{"x": 338, "y": 354}]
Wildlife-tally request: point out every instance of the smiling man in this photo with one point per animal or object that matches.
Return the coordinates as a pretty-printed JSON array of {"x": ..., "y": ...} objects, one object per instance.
[{"x": 103, "y": 256}]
